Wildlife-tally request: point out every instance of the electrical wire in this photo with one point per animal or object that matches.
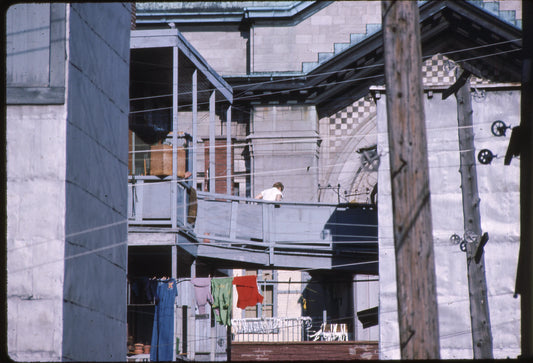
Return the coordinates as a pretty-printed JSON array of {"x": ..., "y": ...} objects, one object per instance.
[{"x": 310, "y": 76}]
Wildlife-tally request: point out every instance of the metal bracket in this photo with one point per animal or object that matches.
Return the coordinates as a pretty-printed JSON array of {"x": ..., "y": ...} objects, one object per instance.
[
  {"x": 469, "y": 237},
  {"x": 479, "y": 251}
]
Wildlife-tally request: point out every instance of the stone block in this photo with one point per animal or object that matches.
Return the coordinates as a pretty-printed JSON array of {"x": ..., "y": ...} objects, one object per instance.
[
  {"x": 107, "y": 345},
  {"x": 36, "y": 323},
  {"x": 100, "y": 63},
  {"x": 107, "y": 123},
  {"x": 41, "y": 211},
  {"x": 104, "y": 179},
  {"x": 48, "y": 270},
  {"x": 106, "y": 19},
  {"x": 19, "y": 268},
  {"x": 42, "y": 127}
]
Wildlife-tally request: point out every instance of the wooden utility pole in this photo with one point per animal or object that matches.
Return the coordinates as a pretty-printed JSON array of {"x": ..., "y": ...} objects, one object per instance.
[
  {"x": 413, "y": 238},
  {"x": 525, "y": 261},
  {"x": 477, "y": 283}
]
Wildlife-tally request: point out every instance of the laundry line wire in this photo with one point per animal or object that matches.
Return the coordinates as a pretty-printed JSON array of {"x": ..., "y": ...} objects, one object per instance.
[{"x": 275, "y": 140}]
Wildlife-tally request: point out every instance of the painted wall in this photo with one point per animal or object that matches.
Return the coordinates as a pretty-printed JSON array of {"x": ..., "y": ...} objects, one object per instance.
[
  {"x": 499, "y": 193},
  {"x": 96, "y": 179}
]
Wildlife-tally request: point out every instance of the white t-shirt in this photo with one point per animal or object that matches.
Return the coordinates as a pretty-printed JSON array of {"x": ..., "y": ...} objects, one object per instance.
[{"x": 271, "y": 193}]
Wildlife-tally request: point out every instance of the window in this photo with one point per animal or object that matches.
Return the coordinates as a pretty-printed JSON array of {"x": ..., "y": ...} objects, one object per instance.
[
  {"x": 35, "y": 54},
  {"x": 266, "y": 285}
]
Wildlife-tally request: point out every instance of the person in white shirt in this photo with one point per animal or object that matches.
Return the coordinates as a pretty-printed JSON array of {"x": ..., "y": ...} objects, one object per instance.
[{"x": 272, "y": 194}]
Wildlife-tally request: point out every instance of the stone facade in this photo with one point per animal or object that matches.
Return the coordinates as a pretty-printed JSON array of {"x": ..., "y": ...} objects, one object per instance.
[
  {"x": 36, "y": 204},
  {"x": 282, "y": 49},
  {"x": 284, "y": 147},
  {"x": 66, "y": 182}
]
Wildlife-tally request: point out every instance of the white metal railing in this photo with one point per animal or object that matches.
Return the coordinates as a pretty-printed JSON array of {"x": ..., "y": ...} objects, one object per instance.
[
  {"x": 149, "y": 201},
  {"x": 296, "y": 226},
  {"x": 277, "y": 229},
  {"x": 271, "y": 329}
]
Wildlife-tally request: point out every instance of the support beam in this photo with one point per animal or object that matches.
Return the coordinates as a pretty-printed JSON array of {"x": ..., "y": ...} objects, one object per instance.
[
  {"x": 229, "y": 176},
  {"x": 413, "y": 230},
  {"x": 174, "y": 262},
  {"x": 174, "y": 183},
  {"x": 194, "y": 149},
  {"x": 477, "y": 283},
  {"x": 212, "y": 143}
]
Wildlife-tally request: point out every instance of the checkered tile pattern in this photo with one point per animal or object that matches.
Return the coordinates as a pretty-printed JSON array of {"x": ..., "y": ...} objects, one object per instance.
[
  {"x": 436, "y": 71},
  {"x": 440, "y": 71},
  {"x": 343, "y": 121}
]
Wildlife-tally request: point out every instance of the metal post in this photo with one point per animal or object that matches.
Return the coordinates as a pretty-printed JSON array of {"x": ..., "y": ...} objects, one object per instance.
[
  {"x": 229, "y": 185},
  {"x": 174, "y": 183},
  {"x": 212, "y": 171},
  {"x": 194, "y": 169},
  {"x": 174, "y": 274},
  {"x": 355, "y": 308}
]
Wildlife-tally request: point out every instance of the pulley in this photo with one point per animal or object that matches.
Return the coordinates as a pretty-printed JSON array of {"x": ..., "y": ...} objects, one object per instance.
[
  {"x": 499, "y": 128},
  {"x": 485, "y": 156}
]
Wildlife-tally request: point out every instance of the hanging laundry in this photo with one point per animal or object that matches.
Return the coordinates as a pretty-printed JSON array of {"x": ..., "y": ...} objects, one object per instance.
[
  {"x": 150, "y": 288},
  {"x": 247, "y": 291},
  {"x": 202, "y": 292},
  {"x": 163, "y": 328},
  {"x": 222, "y": 291}
]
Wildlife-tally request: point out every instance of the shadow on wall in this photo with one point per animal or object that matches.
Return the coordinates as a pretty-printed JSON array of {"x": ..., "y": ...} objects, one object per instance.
[{"x": 354, "y": 232}]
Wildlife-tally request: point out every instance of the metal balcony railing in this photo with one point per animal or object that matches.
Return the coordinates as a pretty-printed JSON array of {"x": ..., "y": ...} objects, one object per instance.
[
  {"x": 279, "y": 329},
  {"x": 289, "y": 234}
]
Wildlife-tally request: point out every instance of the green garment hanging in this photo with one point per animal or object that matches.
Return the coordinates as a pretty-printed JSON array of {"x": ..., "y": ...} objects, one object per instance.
[{"x": 222, "y": 291}]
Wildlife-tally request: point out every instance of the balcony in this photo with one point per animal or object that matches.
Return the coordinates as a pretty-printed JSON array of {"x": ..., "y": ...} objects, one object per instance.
[
  {"x": 280, "y": 234},
  {"x": 278, "y": 329}
]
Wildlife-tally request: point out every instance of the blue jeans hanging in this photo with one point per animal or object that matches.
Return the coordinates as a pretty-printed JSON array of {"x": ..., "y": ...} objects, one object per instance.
[{"x": 163, "y": 330}]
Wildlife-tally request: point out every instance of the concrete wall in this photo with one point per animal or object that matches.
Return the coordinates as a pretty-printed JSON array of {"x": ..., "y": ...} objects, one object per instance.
[
  {"x": 35, "y": 170},
  {"x": 96, "y": 179},
  {"x": 285, "y": 148},
  {"x": 499, "y": 194}
]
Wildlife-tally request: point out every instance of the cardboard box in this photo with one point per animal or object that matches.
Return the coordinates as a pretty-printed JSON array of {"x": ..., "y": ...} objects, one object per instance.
[{"x": 161, "y": 160}]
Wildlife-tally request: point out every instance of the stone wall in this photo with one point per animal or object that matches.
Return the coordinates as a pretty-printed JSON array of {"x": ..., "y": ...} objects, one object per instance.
[
  {"x": 224, "y": 50},
  {"x": 96, "y": 179},
  {"x": 284, "y": 144},
  {"x": 277, "y": 49},
  {"x": 35, "y": 169}
]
